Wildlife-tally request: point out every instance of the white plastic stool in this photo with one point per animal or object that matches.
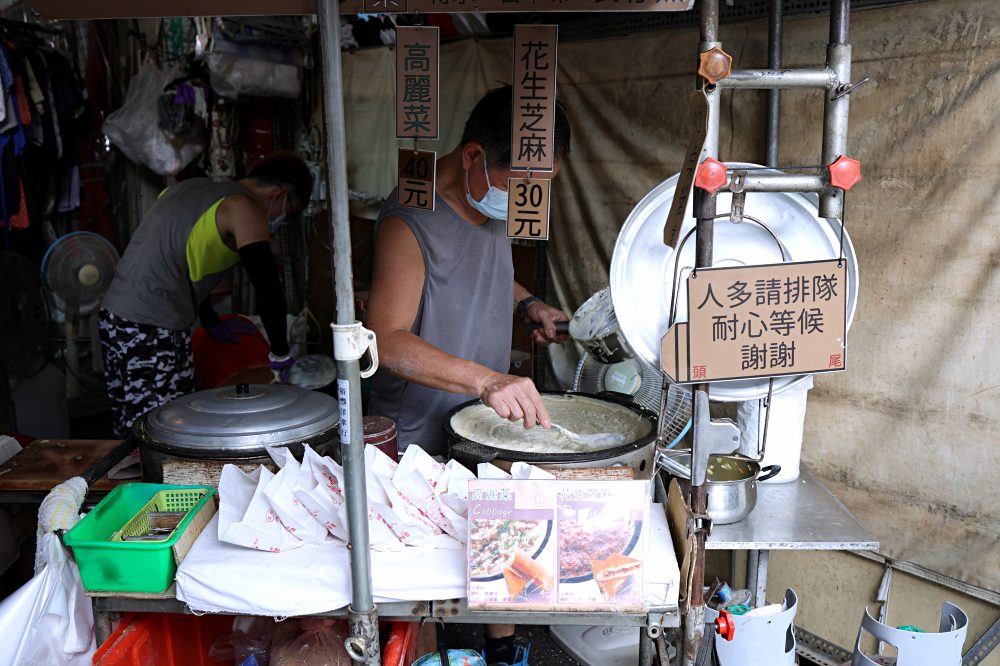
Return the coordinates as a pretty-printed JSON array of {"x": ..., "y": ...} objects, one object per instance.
[
  {"x": 767, "y": 640},
  {"x": 916, "y": 649}
]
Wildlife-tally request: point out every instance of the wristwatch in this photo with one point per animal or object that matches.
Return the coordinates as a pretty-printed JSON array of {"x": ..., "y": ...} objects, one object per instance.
[{"x": 522, "y": 307}]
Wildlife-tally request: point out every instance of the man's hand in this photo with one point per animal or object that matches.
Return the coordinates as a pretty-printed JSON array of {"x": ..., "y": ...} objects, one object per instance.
[
  {"x": 515, "y": 398},
  {"x": 546, "y": 316}
]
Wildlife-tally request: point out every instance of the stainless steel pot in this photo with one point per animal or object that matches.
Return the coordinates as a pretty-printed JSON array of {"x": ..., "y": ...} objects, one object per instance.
[
  {"x": 234, "y": 424},
  {"x": 731, "y": 483},
  {"x": 637, "y": 454}
]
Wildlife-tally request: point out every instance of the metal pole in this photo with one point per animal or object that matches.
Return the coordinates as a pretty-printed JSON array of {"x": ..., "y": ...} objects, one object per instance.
[
  {"x": 835, "y": 111},
  {"x": 757, "y": 181},
  {"x": 773, "y": 126},
  {"x": 768, "y": 79},
  {"x": 704, "y": 209},
  {"x": 362, "y": 615}
]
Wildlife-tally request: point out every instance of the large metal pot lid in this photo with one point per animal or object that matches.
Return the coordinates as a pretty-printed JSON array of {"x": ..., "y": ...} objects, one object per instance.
[
  {"x": 582, "y": 414},
  {"x": 240, "y": 418},
  {"x": 642, "y": 267}
]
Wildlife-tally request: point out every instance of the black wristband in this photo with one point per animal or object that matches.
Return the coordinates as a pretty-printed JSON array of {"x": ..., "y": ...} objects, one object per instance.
[{"x": 522, "y": 307}]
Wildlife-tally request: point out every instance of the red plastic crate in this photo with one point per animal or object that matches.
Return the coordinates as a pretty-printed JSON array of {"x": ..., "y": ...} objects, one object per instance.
[
  {"x": 163, "y": 639},
  {"x": 170, "y": 639}
]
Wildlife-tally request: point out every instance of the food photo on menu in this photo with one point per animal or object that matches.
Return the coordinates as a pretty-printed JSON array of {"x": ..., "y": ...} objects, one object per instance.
[
  {"x": 561, "y": 545},
  {"x": 601, "y": 545}
]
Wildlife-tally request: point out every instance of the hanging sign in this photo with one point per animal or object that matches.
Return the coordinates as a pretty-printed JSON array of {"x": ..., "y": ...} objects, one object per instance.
[
  {"x": 417, "y": 82},
  {"x": 528, "y": 208},
  {"x": 93, "y": 9},
  {"x": 415, "y": 188},
  {"x": 454, "y": 6},
  {"x": 760, "y": 321},
  {"x": 533, "y": 118}
]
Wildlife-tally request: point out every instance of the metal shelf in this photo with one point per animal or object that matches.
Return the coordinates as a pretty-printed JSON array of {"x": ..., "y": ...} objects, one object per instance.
[{"x": 798, "y": 515}]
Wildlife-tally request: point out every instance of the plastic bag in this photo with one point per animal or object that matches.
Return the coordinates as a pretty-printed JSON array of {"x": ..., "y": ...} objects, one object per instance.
[
  {"x": 254, "y": 71},
  {"x": 313, "y": 642},
  {"x": 135, "y": 130},
  {"x": 250, "y": 642},
  {"x": 49, "y": 620}
]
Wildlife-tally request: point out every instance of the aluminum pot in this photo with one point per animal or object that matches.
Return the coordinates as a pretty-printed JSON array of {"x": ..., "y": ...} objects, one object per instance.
[
  {"x": 637, "y": 454},
  {"x": 234, "y": 424},
  {"x": 731, "y": 484}
]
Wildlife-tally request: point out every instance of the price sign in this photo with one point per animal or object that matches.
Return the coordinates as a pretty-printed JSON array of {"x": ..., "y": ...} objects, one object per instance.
[
  {"x": 534, "y": 112},
  {"x": 417, "y": 84},
  {"x": 528, "y": 208},
  {"x": 416, "y": 178},
  {"x": 760, "y": 321}
]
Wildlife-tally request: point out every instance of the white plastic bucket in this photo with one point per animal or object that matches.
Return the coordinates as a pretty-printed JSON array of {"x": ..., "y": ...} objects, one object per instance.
[{"x": 784, "y": 430}]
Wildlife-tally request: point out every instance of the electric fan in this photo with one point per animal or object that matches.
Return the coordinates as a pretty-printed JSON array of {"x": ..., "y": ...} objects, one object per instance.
[
  {"x": 608, "y": 366},
  {"x": 77, "y": 269}
]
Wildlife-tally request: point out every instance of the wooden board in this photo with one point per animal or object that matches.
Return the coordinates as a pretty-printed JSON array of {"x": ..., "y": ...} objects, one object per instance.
[{"x": 45, "y": 463}]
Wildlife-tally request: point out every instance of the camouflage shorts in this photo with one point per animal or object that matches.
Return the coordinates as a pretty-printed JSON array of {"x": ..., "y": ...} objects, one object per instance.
[{"x": 145, "y": 366}]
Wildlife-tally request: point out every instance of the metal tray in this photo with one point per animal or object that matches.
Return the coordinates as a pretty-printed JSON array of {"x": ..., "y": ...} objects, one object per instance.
[{"x": 642, "y": 267}]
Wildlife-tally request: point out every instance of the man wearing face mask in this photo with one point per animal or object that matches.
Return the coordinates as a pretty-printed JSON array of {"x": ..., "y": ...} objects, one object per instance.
[
  {"x": 442, "y": 294},
  {"x": 192, "y": 235}
]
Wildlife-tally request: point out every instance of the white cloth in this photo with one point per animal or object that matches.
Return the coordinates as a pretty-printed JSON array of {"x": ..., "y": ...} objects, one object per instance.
[
  {"x": 60, "y": 510},
  {"x": 221, "y": 578}
]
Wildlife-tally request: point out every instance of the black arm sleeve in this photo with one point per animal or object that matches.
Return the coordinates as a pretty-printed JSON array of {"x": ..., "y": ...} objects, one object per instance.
[
  {"x": 262, "y": 269},
  {"x": 207, "y": 315}
]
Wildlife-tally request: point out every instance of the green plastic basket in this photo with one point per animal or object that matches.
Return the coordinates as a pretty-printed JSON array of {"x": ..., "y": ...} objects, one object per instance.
[{"x": 132, "y": 566}]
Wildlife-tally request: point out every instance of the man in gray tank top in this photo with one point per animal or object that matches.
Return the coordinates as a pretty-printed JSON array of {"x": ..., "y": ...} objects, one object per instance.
[
  {"x": 185, "y": 244},
  {"x": 442, "y": 295}
]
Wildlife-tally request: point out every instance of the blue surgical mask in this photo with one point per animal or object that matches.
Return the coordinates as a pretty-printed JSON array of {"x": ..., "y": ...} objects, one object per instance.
[
  {"x": 275, "y": 223},
  {"x": 494, "y": 204}
]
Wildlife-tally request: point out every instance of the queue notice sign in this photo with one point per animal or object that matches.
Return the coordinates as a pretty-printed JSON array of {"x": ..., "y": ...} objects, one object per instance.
[{"x": 760, "y": 321}]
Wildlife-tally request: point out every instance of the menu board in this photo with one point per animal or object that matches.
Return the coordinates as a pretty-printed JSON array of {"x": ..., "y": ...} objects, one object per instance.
[{"x": 557, "y": 545}]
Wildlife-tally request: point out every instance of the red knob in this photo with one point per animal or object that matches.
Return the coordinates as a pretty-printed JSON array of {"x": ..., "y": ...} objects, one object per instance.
[
  {"x": 845, "y": 172},
  {"x": 725, "y": 626},
  {"x": 711, "y": 175}
]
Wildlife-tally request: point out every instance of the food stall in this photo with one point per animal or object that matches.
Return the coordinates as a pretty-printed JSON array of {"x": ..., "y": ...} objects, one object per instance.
[{"x": 802, "y": 516}]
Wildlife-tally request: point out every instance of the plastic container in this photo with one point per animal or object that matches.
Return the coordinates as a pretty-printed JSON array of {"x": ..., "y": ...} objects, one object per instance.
[
  {"x": 401, "y": 648},
  {"x": 130, "y": 566},
  {"x": 163, "y": 639},
  {"x": 380, "y": 432},
  {"x": 218, "y": 363}
]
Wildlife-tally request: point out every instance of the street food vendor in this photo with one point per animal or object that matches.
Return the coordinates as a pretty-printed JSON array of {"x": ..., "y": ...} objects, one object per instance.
[
  {"x": 442, "y": 294},
  {"x": 192, "y": 235}
]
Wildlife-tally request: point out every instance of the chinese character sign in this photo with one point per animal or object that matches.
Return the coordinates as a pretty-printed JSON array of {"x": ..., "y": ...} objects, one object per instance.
[
  {"x": 762, "y": 321},
  {"x": 417, "y": 83},
  {"x": 528, "y": 208},
  {"x": 415, "y": 188},
  {"x": 533, "y": 127}
]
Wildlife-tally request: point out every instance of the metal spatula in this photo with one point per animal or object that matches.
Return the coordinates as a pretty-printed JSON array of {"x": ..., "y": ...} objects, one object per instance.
[{"x": 600, "y": 439}]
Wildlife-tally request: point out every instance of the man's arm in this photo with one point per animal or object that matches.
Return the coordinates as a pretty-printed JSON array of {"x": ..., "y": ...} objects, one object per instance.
[
  {"x": 397, "y": 285},
  {"x": 243, "y": 225}
]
